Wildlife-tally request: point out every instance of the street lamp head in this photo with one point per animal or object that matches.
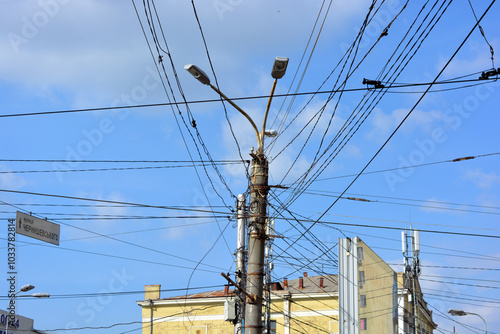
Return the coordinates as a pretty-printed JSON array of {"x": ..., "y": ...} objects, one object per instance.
[
  {"x": 27, "y": 287},
  {"x": 279, "y": 67},
  {"x": 271, "y": 133},
  {"x": 197, "y": 73},
  {"x": 41, "y": 295},
  {"x": 457, "y": 312}
]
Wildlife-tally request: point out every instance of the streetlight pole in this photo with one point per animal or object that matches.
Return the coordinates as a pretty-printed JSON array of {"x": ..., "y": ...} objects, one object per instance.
[
  {"x": 456, "y": 312},
  {"x": 256, "y": 242},
  {"x": 240, "y": 264},
  {"x": 24, "y": 288},
  {"x": 259, "y": 189}
]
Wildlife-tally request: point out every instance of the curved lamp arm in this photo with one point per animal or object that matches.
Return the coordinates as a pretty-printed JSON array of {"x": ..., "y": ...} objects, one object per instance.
[
  {"x": 261, "y": 134},
  {"x": 456, "y": 312},
  {"x": 278, "y": 71},
  {"x": 259, "y": 141},
  {"x": 485, "y": 328}
]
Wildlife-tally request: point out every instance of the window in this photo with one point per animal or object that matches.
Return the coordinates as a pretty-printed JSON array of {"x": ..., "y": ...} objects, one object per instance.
[
  {"x": 272, "y": 329},
  {"x": 361, "y": 256},
  {"x": 361, "y": 279},
  {"x": 362, "y": 324},
  {"x": 362, "y": 300}
]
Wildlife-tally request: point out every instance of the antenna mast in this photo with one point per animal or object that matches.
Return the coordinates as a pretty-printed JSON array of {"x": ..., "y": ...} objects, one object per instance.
[{"x": 412, "y": 270}]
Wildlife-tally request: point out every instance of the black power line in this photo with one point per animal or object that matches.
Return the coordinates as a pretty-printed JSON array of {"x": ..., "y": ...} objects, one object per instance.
[{"x": 150, "y": 105}]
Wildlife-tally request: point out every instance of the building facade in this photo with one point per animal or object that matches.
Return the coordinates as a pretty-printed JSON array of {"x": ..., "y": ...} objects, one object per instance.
[
  {"x": 374, "y": 298},
  {"x": 412, "y": 318},
  {"x": 368, "y": 290},
  {"x": 21, "y": 324},
  {"x": 367, "y": 296},
  {"x": 303, "y": 305}
]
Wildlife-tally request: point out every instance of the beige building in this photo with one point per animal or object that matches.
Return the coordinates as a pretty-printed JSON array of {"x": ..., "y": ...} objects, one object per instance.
[
  {"x": 407, "y": 322},
  {"x": 303, "y": 305},
  {"x": 376, "y": 300},
  {"x": 377, "y": 292}
]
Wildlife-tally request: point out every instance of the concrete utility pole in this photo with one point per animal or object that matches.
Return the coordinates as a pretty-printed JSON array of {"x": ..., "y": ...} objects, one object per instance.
[
  {"x": 240, "y": 264},
  {"x": 259, "y": 189}
]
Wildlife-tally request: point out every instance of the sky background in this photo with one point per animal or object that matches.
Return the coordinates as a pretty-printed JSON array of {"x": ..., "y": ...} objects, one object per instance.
[{"x": 177, "y": 228}]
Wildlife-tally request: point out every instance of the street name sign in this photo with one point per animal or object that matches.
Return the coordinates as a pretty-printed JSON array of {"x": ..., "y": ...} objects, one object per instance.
[
  {"x": 19, "y": 325},
  {"x": 37, "y": 228}
]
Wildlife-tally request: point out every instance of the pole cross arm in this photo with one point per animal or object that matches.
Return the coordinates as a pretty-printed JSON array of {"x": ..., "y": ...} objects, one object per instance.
[{"x": 251, "y": 297}]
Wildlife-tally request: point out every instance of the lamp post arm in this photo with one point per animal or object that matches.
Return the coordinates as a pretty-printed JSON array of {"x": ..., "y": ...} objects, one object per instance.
[
  {"x": 267, "y": 111},
  {"x": 259, "y": 141},
  {"x": 485, "y": 328}
]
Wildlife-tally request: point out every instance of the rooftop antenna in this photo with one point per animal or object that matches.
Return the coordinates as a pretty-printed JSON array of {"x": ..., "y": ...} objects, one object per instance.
[
  {"x": 415, "y": 252},
  {"x": 412, "y": 270},
  {"x": 404, "y": 242}
]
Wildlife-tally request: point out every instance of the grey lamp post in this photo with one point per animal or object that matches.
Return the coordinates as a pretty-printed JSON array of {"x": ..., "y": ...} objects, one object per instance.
[
  {"x": 259, "y": 189},
  {"x": 456, "y": 312},
  {"x": 24, "y": 288}
]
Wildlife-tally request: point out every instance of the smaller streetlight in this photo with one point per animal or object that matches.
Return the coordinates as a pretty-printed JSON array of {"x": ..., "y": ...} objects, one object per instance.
[
  {"x": 460, "y": 313},
  {"x": 24, "y": 288},
  {"x": 279, "y": 67}
]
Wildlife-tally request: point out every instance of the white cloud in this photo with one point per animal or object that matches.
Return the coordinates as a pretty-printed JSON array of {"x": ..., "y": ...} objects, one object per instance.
[
  {"x": 482, "y": 179},
  {"x": 113, "y": 210},
  {"x": 175, "y": 233},
  {"x": 95, "y": 50},
  {"x": 433, "y": 204},
  {"x": 318, "y": 115},
  {"x": 101, "y": 209},
  {"x": 186, "y": 229},
  {"x": 489, "y": 200},
  {"x": 282, "y": 165},
  {"x": 353, "y": 150},
  {"x": 478, "y": 59},
  {"x": 384, "y": 123},
  {"x": 423, "y": 119},
  {"x": 10, "y": 180},
  {"x": 283, "y": 162}
]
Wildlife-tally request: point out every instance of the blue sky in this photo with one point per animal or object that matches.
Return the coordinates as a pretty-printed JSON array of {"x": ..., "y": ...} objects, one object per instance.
[{"x": 69, "y": 55}]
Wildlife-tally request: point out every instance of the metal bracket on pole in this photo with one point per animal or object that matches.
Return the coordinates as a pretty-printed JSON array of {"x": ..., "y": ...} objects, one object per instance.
[{"x": 251, "y": 297}]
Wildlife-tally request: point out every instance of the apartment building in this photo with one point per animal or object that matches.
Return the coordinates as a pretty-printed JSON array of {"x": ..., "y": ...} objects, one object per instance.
[{"x": 373, "y": 299}]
